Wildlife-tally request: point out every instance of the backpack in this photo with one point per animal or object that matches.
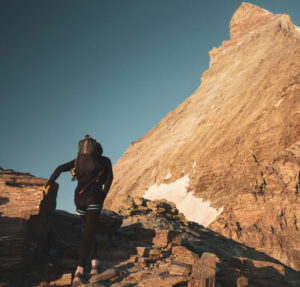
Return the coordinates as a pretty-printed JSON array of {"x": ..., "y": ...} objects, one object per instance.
[{"x": 88, "y": 158}]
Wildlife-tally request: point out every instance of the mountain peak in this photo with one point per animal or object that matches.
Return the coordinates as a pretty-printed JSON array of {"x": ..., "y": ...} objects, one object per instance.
[
  {"x": 248, "y": 17},
  {"x": 233, "y": 145}
]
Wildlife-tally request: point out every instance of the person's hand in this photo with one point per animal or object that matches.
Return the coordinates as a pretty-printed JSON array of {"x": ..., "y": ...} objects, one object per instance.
[{"x": 45, "y": 189}]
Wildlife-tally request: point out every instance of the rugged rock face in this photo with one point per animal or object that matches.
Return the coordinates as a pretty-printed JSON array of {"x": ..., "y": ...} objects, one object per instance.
[
  {"x": 266, "y": 217},
  {"x": 25, "y": 214},
  {"x": 149, "y": 244},
  {"x": 232, "y": 148},
  {"x": 156, "y": 246}
]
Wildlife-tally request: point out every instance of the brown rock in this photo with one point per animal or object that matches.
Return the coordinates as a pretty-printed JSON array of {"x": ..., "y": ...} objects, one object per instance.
[
  {"x": 242, "y": 281},
  {"x": 236, "y": 141},
  {"x": 176, "y": 268},
  {"x": 183, "y": 255},
  {"x": 106, "y": 275},
  {"x": 156, "y": 237},
  {"x": 137, "y": 276},
  {"x": 155, "y": 253},
  {"x": 142, "y": 251},
  {"x": 65, "y": 280},
  {"x": 147, "y": 256},
  {"x": 245, "y": 271},
  {"x": 162, "y": 281},
  {"x": 25, "y": 219},
  {"x": 248, "y": 18},
  {"x": 267, "y": 219},
  {"x": 204, "y": 271},
  {"x": 163, "y": 237},
  {"x": 143, "y": 261}
]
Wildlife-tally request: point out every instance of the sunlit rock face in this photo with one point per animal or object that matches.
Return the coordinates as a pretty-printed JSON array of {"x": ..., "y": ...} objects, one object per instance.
[
  {"x": 236, "y": 138},
  {"x": 25, "y": 214}
]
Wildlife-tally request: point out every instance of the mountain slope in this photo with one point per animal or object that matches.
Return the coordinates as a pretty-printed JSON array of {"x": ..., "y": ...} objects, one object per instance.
[{"x": 234, "y": 143}]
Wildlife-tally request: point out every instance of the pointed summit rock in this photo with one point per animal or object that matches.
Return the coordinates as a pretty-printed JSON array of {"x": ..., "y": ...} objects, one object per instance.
[
  {"x": 229, "y": 155},
  {"x": 248, "y": 17}
]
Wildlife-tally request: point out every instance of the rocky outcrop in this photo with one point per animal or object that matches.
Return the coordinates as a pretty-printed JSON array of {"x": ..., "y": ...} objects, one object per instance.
[
  {"x": 149, "y": 243},
  {"x": 266, "y": 215},
  {"x": 228, "y": 156},
  {"x": 25, "y": 214},
  {"x": 156, "y": 246}
]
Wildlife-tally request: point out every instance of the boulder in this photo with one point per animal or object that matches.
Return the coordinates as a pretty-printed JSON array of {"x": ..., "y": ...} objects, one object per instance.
[{"x": 25, "y": 215}]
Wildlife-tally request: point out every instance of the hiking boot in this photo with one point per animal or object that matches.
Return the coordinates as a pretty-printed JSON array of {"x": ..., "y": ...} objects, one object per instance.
[{"x": 79, "y": 279}]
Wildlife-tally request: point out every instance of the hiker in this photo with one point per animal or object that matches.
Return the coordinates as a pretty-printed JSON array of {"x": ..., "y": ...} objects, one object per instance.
[{"x": 92, "y": 171}]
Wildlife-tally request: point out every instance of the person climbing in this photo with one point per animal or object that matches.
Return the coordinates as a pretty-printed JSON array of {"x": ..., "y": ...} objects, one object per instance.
[{"x": 94, "y": 174}]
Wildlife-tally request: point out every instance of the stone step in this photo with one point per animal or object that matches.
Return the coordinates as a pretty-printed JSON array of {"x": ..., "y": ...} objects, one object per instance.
[
  {"x": 183, "y": 255},
  {"x": 204, "y": 271}
]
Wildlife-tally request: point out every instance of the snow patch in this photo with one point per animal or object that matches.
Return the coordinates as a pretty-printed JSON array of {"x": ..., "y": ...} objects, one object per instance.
[
  {"x": 297, "y": 29},
  {"x": 193, "y": 208},
  {"x": 194, "y": 164},
  {"x": 168, "y": 176}
]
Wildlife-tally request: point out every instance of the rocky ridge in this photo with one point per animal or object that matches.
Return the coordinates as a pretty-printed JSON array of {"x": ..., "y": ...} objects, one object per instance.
[{"x": 234, "y": 143}]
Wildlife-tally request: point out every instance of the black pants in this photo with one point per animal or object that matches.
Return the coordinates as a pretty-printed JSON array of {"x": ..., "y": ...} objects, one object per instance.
[{"x": 88, "y": 206}]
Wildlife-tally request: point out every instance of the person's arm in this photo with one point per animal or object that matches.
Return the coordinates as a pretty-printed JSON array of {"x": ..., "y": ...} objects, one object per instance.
[
  {"x": 108, "y": 178},
  {"x": 62, "y": 168}
]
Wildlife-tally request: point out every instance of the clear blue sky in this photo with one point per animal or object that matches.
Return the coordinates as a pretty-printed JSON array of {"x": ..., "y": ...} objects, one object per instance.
[{"x": 112, "y": 69}]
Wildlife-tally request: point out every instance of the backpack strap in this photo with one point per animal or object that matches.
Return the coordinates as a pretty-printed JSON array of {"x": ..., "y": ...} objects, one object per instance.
[{"x": 91, "y": 181}]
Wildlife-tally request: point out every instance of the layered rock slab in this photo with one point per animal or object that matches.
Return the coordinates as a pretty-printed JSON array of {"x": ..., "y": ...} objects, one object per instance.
[
  {"x": 25, "y": 214},
  {"x": 245, "y": 111}
]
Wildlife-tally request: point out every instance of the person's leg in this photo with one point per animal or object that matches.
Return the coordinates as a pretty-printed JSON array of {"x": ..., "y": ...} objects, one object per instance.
[
  {"x": 81, "y": 213},
  {"x": 81, "y": 205},
  {"x": 95, "y": 263},
  {"x": 93, "y": 250},
  {"x": 89, "y": 233},
  {"x": 94, "y": 204},
  {"x": 93, "y": 255}
]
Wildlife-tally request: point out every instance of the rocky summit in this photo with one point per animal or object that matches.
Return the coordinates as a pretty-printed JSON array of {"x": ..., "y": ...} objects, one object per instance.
[{"x": 229, "y": 155}]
